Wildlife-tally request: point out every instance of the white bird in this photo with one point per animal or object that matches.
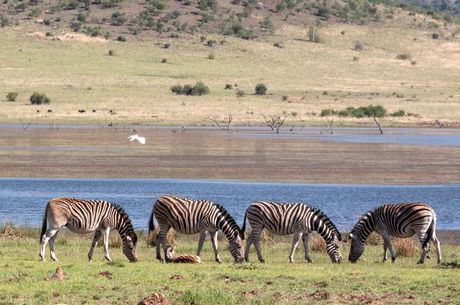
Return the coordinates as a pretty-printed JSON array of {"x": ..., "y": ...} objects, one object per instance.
[{"x": 136, "y": 137}]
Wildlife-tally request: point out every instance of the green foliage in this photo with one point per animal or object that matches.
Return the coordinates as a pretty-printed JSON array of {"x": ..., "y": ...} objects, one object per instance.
[
  {"x": 313, "y": 35},
  {"x": 207, "y": 4},
  {"x": 35, "y": 12},
  {"x": 197, "y": 90},
  {"x": 232, "y": 26},
  {"x": 38, "y": 98},
  {"x": 363, "y": 111},
  {"x": 398, "y": 113},
  {"x": 76, "y": 26},
  {"x": 261, "y": 89},
  {"x": 111, "y": 53},
  {"x": 118, "y": 18},
  {"x": 47, "y": 22},
  {"x": 81, "y": 17},
  {"x": 267, "y": 25},
  {"x": 121, "y": 38},
  {"x": 4, "y": 20},
  {"x": 157, "y": 4},
  {"x": 93, "y": 30},
  {"x": 72, "y": 5},
  {"x": 11, "y": 96}
]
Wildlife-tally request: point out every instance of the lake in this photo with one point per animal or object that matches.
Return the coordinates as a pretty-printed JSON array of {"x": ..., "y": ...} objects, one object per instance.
[{"x": 22, "y": 201}]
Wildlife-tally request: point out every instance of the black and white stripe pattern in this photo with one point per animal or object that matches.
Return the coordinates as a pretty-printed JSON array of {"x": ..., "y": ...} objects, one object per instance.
[
  {"x": 85, "y": 216},
  {"x": 193, "y": 216},
  {"x": 298, "y": 219},
  {"x": 398, "y": 220}
]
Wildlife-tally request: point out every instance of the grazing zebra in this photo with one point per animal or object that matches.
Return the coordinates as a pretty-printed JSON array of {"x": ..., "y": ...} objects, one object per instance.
[
  {"x": 400, "y": 220},
  {"x": 298, "y": 219},
  {"x": 171, "y": 257},
  {"x": 192, "y": 216},
  {"x": 85, "y": 216}
]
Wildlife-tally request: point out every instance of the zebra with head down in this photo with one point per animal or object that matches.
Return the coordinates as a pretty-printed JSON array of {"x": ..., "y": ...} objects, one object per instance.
[
  {"x": 85, "y": 216},
  {"x": 193, "y": 216},
  {"x": 399, "y": 220},
  {"x": 298, "y": 219}
]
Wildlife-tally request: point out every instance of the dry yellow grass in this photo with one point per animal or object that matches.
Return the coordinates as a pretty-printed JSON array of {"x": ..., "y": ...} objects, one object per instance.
[{"x": 78, "y": 74}]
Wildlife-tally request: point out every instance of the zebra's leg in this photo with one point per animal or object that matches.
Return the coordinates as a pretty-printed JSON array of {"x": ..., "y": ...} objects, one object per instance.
[
  {"x": 45, "y": 238},
  {"x": 305, "y": 246},
  {"x": 387, "y": 245},
  {"x": 51, "y": 241},
  {"x": 160, "y": 240},
  {"x": 295, "y": 243},
  {"x": 214, "y": 246},
  {"x": 437, "y": 245},
  {"x": 248, "y": 246},
  {"x": 105, "y": 237},
  {"x": 256, "y": 240},
  {"x": 201, "y": 240},
  {"x": 96, "y": 238},
  {"x": 385, "y": 248}
]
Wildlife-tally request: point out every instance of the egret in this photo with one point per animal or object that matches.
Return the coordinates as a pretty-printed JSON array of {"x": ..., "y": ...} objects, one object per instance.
[{"x": 136, "y": 137}]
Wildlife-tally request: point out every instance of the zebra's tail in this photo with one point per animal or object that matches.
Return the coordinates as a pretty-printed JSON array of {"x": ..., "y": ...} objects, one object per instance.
[
  {"x": 429, "y": 232},
  {"x": 151, "y": 223},
  {"x": 44, "y": 223},
  {"x": 243, "y": 228}
]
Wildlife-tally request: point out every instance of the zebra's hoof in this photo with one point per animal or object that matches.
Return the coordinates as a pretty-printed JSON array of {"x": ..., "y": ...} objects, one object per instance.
[
  {"x": 309, "y": 260},
  {"x": 262, "y": 261},
  {"x": 420, "y": 262},
  {"x": 393, "y": 259}
]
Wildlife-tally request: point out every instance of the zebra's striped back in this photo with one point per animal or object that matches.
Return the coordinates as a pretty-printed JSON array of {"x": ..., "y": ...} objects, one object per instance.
[
  {"x": 192, "y": 216},
  {"x": 399, "y": 220},
  {"x": 283, "y": 219},
  {"x": 85, "y": 216}
]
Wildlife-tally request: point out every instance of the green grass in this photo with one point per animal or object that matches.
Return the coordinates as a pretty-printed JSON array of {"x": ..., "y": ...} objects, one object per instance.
[{"x": 26, "y": 280}]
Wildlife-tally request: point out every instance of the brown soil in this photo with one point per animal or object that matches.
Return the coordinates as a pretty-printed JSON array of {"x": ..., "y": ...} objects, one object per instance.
[
  {"x": 59, "y": 274},
  {"x": 154, "y": 299},
  {"x": 214, "y": 154}
]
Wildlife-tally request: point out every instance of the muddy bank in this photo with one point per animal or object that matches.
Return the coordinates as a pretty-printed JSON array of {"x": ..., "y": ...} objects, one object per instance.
[{"x": 214, "y": 154}]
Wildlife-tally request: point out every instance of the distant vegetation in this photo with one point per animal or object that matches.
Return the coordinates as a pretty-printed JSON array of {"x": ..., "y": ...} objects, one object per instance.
[
  {"x": 11, "y": 96},
  {"x": 38, "y": 98},
  {"x": 361, "y": 112},
  {"x": 198, "y": 89}
]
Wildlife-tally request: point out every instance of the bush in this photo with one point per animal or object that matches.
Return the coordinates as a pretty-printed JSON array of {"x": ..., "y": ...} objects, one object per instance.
[
  {"x": 47, "y": 22},
  {"x": 279, "y": 44},
  {"x": 240, "y": 93},
  {"x": 38, "y": 98},
  {"x": 210, "y": 43},
  {"x": 359, "y": 46},
  {"x": 398, "y": 113},
  {"x": 121, "y": 38},
  {"x": 404, "y": 247},
  {"x": 313, "y": 35},
  {"x": 328, "y": 112},
  {"x": 76, "y": 26},
  {"x": 261, "y": 89},
  {"x": 207, "y": 4},
  {"x": 316, "y": 243},
  {"x": 4, "y": 20},
  {"x": 81, "y": 17},
  {"x": 435, "y": 36},
  {"x": 403, "y": 56},
  {"x": 111, "y": 53},
  {"x": 118, "y": 18},
  {"x": 164, "y": 60},
  {"x": 211, "y": 56},
  {"x": 197, "y": 90},
  {"x": 11, "y": 96}
]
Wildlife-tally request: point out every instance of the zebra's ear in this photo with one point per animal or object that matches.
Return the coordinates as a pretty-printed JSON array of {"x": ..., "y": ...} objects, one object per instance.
[
  {"x": 351, "y": 236},
  {"x": 128, "y": 238}
]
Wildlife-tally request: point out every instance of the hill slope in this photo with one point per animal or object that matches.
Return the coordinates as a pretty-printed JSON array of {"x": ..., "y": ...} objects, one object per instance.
[{"x": 399, "y": 59}]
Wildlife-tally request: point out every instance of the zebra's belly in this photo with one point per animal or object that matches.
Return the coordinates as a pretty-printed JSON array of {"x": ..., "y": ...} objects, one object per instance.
[{"x": 80, "y": 230}]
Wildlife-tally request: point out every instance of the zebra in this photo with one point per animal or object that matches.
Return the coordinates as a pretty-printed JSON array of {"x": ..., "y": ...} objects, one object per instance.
[
  {"x": 298, "y": 219},
  {"x": 83, "y": 216},
  {"x": 192, "y": 216},
  {"x": 399, "y": 220}
]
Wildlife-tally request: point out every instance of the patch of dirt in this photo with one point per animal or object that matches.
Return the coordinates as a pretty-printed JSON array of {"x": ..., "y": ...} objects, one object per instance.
[
  {"x": 252, "y": 293},
  {"x": 321, "y": 294},
  {"x": 177, "y": 277},
  {"x": 106, "y": 274},
  {"x": 69, "y": 36},
  {"x": 154, "y": 299},
  {"x": 371, "y": 298},
  {"x": 59, "y": 274}
]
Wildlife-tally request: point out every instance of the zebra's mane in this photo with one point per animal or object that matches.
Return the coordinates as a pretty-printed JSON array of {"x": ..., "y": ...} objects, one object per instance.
[
  {"x": 126, "y": 219},
  {"x": 230, "y": 219},
  {"x": 326, "y": 220},
  {"x": 365, "y": 218}
]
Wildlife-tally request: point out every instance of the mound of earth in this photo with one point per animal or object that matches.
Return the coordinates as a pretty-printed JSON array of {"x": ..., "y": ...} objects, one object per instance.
[{"x": 154, "y": 299}]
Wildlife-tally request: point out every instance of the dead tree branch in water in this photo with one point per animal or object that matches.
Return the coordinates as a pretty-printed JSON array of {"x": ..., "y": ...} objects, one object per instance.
[
  {"x": 274, "y": 122},
  {"x": 225, "y": 125},
  {"x": 378, "y": 124},
  {"x": 329, "y": 127}
]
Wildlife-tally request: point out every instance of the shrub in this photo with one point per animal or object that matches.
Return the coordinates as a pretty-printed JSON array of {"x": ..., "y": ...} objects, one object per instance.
[
  {"x": 374, "y": 239},
  {"x": 76, "y": 26},
  {"x": 197, "y": 90},
  {"x": 4, "y": 20},
  {"x": 398, "y": 113},
  {"x": 118, "y": 18},
  {"x": 211, "y": 56},
  {"x": 121, "y": 38},
  {"x": 261, "y": 89},
  {"x": 279, "y": 45},
  {"x": 403, "y": 56},
  {"x": 404, "y": 247},
  {"x": 328, "y": 112},
  {"x": 93, "y": 31},
  {"x": 316, "y": 243},
  {"x": 210, "y": 43},
  {"x": 47, "y": 22},
  {"x": 228, "y": 86},
  {"x": 359, "y": 46},
  {"x": 11, "y": 96},
  {"x": 240, "y": 93},
  {"x": 111, "y": 53},
  {"x": 313, "y": 35},
  {"x": 38, "y": 98},
  {"x": 435, "y": 35},
  {"x": 48, "y": 34},
  {"x": 207, "y": 4},
  {"x": 81, "y": 17},
  {"x": 267, "y": 25},
  {"x": 164, "y": 60}
]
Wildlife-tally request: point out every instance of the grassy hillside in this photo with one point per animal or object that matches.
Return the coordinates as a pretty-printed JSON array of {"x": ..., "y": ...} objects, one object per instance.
[
  {"x": 384, "y": 55},
  {"x": 26, "y": 280}
]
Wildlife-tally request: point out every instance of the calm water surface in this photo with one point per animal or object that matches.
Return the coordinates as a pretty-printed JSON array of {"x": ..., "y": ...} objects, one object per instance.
[{"x": 22, "y": 201}]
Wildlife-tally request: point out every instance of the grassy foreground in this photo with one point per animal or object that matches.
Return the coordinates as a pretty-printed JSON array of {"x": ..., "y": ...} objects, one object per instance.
[{"x": 26, "y": 280}]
